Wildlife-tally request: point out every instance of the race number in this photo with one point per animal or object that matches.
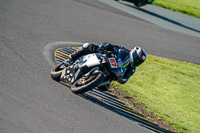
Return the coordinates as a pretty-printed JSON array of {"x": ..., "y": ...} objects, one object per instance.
[{"x": 113, "y": 62}]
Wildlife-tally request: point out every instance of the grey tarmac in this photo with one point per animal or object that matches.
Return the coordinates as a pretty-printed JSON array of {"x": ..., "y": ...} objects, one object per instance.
[{"x": 30, "y": 101}]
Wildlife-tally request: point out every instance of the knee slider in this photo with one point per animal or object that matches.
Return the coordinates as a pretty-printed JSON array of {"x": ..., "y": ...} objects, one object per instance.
[{"x": 86, "y": 45}]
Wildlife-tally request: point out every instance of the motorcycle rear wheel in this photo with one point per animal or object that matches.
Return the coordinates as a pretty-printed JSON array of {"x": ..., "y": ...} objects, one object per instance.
[
  {"x": 56, "y": 72},
  {"x": 82, "y": 85}
]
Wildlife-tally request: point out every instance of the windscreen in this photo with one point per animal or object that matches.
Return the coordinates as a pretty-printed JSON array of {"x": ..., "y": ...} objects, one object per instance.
[{"x": 123, "y": 57}]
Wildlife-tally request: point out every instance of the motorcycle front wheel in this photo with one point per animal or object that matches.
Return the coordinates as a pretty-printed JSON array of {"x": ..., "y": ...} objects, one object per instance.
[{"x": 82, "y": 85}]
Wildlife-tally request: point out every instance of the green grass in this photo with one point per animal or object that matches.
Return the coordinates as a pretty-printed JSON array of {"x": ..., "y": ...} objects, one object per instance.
[
  {"x": 190, "y": 7},
  {"x": 170, "y": 89}
]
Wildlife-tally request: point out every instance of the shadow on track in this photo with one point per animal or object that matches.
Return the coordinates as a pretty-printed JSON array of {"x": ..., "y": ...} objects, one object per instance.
[{"x": 159, "y": 16}]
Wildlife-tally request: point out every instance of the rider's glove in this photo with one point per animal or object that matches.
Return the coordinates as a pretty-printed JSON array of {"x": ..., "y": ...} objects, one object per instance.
[{"x": 103, "y": 47}]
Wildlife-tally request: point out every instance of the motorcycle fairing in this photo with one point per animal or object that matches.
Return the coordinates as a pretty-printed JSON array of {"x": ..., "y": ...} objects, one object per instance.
[
  {"x": 69, "y": 73},
  {"x": 91, "y": 60}
]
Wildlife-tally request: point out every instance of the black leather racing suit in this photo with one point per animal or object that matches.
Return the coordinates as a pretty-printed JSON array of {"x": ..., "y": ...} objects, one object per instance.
[{"x": 89, "y": 48}]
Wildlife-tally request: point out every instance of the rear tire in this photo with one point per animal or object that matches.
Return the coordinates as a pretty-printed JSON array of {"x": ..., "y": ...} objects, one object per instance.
[
  {"x": 87, "y": 86},
  {"x": 56, "y": 72}
]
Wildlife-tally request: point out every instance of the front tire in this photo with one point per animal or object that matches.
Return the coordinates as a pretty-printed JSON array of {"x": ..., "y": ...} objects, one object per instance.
[
  {"x": 56, "y": 72},
  {"x": 81, "y": 86}
]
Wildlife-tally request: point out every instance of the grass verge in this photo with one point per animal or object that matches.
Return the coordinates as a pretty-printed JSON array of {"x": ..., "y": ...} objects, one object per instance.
[
  {"x": 169, "y": 89},
  {"x": 190, "y": 7}
]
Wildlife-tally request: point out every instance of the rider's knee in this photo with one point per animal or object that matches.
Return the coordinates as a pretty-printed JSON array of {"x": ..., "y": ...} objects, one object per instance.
[
  {"x": 91, "y": 47},
  {"x": 87, "y": 45}
]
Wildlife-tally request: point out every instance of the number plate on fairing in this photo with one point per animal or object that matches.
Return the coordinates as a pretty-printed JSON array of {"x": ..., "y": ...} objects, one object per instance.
[{"x": 113, "y": 62}]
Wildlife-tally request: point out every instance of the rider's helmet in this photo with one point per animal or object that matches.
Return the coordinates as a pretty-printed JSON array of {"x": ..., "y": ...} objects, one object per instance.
[{"x": 138, "y": 56}]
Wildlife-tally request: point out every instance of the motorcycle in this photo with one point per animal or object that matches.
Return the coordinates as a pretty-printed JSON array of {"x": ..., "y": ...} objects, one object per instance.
[{"x": 92, "y": 70}]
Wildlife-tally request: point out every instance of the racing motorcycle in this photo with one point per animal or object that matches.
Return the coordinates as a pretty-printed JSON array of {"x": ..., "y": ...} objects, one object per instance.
[{"x": 92, "y": 70}]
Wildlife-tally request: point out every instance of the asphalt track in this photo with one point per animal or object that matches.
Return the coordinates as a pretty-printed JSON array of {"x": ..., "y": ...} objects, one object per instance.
[
  {"x": 30, "y": 101},
  {"x": 164, "y": 18}
]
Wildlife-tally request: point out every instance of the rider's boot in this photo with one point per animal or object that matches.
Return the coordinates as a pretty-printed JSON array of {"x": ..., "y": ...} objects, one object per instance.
[{"x": 72, "y": 57}]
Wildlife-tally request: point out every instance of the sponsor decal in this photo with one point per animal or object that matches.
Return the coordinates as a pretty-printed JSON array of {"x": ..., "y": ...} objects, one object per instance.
[
  {"x": 113, "y": 62},
  {"x": 63, "y": 72},
  {"x": 143, "y": 57}
]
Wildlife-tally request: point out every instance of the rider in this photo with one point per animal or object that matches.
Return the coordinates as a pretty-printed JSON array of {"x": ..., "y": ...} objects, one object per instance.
[{"x": 137, "y": 56}]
